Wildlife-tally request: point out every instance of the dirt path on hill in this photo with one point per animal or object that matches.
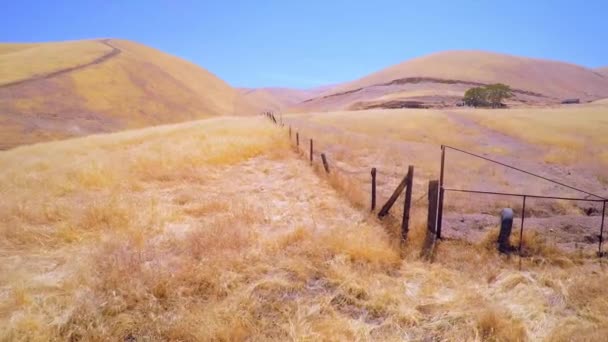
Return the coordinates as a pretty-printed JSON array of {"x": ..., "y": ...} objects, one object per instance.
[
  {"x": 115, "y": 51},
  {"x": 488, "y": 137}
]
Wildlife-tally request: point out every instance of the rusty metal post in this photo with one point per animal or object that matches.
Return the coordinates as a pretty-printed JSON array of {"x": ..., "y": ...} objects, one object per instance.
[
  {"x": 311, "y": 151},
  {"x": 405, "y": 224},
  {"x": 602, "y": 229},
  {"x": 441, "y": 193},
  {"x": 521, "y": 230},
  {"x": 373, "y": 188}
]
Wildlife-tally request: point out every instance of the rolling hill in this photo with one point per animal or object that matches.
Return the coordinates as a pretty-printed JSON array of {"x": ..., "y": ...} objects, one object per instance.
[
  {"x": 279, "y": 99},
  {"x": 56, "y": 90},
  {"x": 441, "y": 79},
  {"x": 603, "y": 71}
]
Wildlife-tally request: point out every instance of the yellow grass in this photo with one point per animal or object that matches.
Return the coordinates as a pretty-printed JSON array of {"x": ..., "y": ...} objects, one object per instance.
[
  {"x": 570, "y": 134},
  {"x": 139, "y": 87},
  {"x": 216, "y": 230},
  {"x": 19, "y": 62},
  {"x": 421, "y": 125}
]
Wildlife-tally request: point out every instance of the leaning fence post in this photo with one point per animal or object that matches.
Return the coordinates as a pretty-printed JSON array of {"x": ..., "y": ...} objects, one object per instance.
[
  {"x": 389, "y": 204},
  {"x": 373, "y": 188},
  {"x": 325, "y": 165},
  {"x": 311, "y": 150},
  {"x": 405, "y": 224}
]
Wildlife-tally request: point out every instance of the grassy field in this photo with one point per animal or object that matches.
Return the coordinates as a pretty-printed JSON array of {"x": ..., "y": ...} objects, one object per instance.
[{"x": 217, "y": 230}]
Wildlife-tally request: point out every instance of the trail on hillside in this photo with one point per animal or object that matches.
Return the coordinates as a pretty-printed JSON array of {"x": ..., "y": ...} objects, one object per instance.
[{"x": 115, "y": 51}]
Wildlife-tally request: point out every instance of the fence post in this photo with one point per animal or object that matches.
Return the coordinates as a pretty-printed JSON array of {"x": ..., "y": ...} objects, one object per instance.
[
  {"x": 431, "y": 224},
  {"x": 440, "y": 208},
  {"x": 373, "y": 188},
  {"x": 310, "y": 150},
  {"x": 405, "y": 224},
  {"x": 602, "y": 229},
  {"x": 325, "y": 165},
  {"x": 389, "y": 204},
  {"x": 521, "y": 230},
  {"x": 506, "y": 225},
  {"x": 297, "y": 139},
  {"x": 289, "y": 132}
]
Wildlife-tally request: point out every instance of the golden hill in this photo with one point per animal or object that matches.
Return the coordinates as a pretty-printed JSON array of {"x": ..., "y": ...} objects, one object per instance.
[
  {"x": 56, "y": 90},
  {"x": 278, "y": 99},
  {"x": 442, "y": 79}
]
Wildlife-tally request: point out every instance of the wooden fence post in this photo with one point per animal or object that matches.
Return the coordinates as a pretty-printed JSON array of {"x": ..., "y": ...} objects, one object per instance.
[
  {"x": 405, "y": 224},
  {"x": 310, "y": 150},
  {"x": 389, "y": 204},
  {"x": 431, "y": 225},
  {"x": 433, "y": 201},
  {"x": 297, "y": 139},
  {"x": 373, "y": 188},
  {"x": 290, "y": 132},
  {"x": 325, "y": 165}
]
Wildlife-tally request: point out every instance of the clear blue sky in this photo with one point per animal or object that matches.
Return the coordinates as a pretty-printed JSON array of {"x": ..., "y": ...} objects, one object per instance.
[{"x": 311, "y": 43}]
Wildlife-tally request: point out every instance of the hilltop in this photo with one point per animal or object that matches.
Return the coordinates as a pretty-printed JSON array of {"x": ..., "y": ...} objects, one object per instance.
[
  {"x": 441, "y": 79},
  {"x": 57, "y": 90}
]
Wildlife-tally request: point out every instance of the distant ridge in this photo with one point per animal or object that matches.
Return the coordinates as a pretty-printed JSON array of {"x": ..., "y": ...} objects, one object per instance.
[{"x": 440, "y": 79}]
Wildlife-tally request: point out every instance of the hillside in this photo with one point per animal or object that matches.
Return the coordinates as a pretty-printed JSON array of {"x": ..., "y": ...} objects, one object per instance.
[
  {"x": 57, "y": 90},
  {"x": 278, "y": 99},
  {"x": 441, "y": 79},
  {"x": 603, "y": 71}
]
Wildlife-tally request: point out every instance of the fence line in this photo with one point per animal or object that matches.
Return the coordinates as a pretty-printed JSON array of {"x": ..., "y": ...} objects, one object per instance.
[
  {"x": 436, "y": 195},
  {"x": 405, "y": 186}
]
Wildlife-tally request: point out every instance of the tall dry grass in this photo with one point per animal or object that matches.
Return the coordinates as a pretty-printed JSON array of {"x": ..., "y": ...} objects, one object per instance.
[{"x": 214, "y": 230}]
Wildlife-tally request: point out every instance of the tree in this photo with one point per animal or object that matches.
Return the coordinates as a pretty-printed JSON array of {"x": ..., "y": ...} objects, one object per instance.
[
  {"x": 490, "y": 95},
  {"x": 475, "y": 97},
  {"x": 496, "y": 93}
]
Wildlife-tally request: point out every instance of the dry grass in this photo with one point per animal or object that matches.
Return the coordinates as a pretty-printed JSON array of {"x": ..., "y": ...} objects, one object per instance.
[
  {"x": 571, "y": 134},
  {"x": 138, "y": 87},
  {"x": 22, "y": 61},
  {"x": 214, "y": 230}
]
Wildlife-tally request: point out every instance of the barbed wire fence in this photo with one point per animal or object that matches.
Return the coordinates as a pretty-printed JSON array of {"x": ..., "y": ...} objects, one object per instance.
[
  {"x": 366, "y": 187},
  {"x": 370, "y": 187}
]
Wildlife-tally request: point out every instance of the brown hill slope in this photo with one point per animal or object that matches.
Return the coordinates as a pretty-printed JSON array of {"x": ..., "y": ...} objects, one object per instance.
[
  {"x": 278, "y": 99},
  {"x": 57, "y": 90},
  {"x": 442, "y": 78}
]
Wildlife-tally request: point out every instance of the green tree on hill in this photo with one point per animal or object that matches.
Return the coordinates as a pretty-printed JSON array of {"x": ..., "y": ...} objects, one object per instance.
[
  {"x": 475, "y": 97},
  {"x": 487, "y": 96},
  {"x": 496, "y": 93}
]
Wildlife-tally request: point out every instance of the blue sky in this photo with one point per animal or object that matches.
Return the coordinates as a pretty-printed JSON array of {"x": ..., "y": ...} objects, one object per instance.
[{"x": 310, "y": 43}]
